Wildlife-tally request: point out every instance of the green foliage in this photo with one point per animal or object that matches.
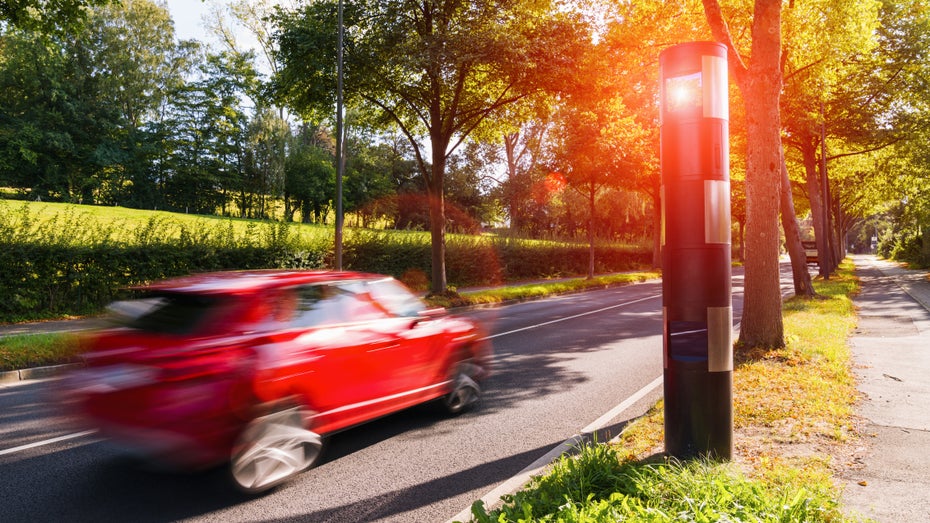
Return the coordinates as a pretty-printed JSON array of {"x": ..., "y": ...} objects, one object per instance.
[
  {"x": 37, "y": 350},
  {"x": 69, "y": 263},
  {"x": 905, "y": 246},
  {"x": 482, "y": 260},
  {"x": 60, "y": 16},
  {"x": 598, "y": 486},
  {"x": 434, "y": 70},
  {"x": 68, "y": 259}
]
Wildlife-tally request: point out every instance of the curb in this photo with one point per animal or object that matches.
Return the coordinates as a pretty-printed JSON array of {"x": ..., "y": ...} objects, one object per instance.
[{"x": 36, "y": 373}]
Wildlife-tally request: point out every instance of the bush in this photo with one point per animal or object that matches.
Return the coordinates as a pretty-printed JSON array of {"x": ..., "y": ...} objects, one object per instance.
[
  {"x": 76, "y": 262},
  {"x": 71, "y": 264},
  {"x": 905, "y": 246}
]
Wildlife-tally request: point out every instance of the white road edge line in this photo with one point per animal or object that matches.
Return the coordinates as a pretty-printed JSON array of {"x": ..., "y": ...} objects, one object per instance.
[
  {"x": 536, "y": 468},
  {"x": 46, "y": 442},
  {"x": 543, "y": 324}
]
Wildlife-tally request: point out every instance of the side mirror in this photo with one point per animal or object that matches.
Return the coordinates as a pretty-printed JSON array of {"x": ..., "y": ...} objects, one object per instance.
[
  {"x": 428, "y": 314},
  {"x": 432, "y": 313}
]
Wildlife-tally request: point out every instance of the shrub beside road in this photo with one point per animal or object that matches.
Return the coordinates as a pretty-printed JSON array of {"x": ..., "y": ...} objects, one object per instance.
[{"x": 63, "y": 259}]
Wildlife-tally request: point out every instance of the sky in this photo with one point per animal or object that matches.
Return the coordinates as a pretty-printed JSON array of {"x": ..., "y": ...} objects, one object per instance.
[{"x": 188, "y": 18}]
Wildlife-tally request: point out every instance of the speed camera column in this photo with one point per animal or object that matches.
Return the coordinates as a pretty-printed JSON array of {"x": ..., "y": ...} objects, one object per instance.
[{"x": 696, "y": 288}]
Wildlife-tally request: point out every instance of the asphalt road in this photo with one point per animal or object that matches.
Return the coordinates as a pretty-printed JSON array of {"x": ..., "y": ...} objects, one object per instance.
[{"x": 562, "y": 365}]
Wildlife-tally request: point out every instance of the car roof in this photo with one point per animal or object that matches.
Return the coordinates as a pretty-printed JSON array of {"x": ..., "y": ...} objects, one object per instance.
[{"x": 245, "y": 282}]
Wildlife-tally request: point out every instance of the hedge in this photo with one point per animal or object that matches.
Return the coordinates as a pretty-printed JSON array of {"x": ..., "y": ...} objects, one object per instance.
[{"x": 72, "y": 266}]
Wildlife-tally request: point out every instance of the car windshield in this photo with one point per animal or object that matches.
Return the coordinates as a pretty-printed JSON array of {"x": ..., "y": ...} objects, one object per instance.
[
  {"x": 173, "y": 313},
  {"x": 395, "y": 297}
]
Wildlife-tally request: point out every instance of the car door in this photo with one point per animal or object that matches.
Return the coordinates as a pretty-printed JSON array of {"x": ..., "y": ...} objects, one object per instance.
[
  {"x": 348, "y": 377},
  {"x": 414, "y": 362}
]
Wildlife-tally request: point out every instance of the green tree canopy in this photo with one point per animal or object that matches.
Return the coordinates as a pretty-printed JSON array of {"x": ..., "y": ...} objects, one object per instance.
[{"x": 437, "y": 70}]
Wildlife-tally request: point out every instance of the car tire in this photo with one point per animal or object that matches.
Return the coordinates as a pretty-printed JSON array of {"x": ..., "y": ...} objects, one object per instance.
[
  {"x": 272, "y": 449},
  {"x": 465, "y": 393}
]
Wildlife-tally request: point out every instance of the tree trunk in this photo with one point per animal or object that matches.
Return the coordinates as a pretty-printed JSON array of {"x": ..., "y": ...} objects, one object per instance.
[
  {"x": 760, "y": 84},
  {"x": 437, "y": 221},
  {"x": 742, "y": 242},
  {"x": 762, "y": 320},
  {"x": 789, "y": 222},
  {"x": 591, "y": 194},
  {"x": 814, "y": 194}
]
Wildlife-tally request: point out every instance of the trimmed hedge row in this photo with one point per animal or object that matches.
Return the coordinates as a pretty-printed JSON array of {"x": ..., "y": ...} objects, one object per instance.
[
  {"x": 42, "y": 280},
  {"x": 72, "y": 269},
  {"x": 481, "y": 260}
]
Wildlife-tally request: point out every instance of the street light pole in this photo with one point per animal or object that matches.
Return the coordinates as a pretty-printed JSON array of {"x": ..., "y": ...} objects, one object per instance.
[
  {"x": 696, "y": 289},
  {"x": 340, "y": 164}
]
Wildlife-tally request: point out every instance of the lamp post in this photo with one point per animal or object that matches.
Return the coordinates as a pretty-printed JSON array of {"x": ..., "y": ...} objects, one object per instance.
[
  {"x": 340, "y": 164},
  {"x": 696, "y": 289}
]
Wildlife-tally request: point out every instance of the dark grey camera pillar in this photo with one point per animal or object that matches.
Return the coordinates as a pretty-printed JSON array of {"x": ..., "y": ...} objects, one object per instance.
[{"x": 696, "y": 289}]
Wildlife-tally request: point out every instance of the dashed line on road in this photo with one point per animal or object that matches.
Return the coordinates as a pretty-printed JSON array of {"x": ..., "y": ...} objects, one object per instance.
[{"x": 42, "y": 443}]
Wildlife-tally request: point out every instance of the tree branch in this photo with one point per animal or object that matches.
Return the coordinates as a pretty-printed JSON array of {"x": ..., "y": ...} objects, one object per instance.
[{"x": 721, "y": 32}]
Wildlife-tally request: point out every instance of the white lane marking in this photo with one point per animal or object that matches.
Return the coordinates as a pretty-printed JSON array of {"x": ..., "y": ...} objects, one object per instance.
[
  {"x": 537, "y": 325},
  {"x": 47, "y": 442},
  {"x": 536, "y": 468}
]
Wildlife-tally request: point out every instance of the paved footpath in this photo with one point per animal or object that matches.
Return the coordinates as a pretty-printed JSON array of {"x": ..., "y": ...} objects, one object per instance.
[{"x": 891, "y": 354}]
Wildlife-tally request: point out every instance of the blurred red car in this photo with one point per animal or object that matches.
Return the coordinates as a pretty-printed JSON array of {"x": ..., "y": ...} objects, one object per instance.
[{"x": 253, "y": 368}]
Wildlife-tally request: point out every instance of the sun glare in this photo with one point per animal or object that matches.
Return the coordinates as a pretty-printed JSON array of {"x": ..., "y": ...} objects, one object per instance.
[{"x": 684, "y": 92}]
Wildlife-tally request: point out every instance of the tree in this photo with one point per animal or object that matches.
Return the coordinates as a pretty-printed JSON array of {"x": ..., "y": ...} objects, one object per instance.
[
  {"x": 524, "y": 152},
  {"x": 880, "y": 103},
  {"x": 256, "y": 17},
  {"x": 58, "y": 17},
  {"x": 437, "y": 70},
  {"x": 760, "y": 82},
  {"x": 139, "y": 66},
  {"x": 815, "y": 71},
  {"x": 596, "y": 139},
  {"x": 267, "y": 136},
  {"x": 309, "y": 177},
  {"x": 55, "y": 133}
]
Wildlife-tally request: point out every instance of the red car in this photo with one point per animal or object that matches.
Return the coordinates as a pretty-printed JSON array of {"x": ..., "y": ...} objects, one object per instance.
[{"x": 254, "y": 368}]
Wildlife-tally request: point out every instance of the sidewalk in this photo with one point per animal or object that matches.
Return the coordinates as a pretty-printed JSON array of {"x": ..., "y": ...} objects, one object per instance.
[{"x": 891, "y": 354}]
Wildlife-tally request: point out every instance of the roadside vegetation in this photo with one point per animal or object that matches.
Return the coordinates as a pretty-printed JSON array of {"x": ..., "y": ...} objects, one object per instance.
[
  {"x": 25, "y": 351},
  {"x": 69, "y": 260},
  {"x": 793, "y": 421}
]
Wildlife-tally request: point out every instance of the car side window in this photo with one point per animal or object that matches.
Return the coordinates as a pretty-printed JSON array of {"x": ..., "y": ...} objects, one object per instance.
[
  {"x": 329, "y": 304},
  {"x": 394, "y": 297}
]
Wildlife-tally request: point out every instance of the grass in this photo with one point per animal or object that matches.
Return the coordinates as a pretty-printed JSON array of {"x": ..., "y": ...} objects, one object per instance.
[
  {"x": 793, "y": 412},
  {"x": 526, "y": 291},
  {"x": 598, "y": 485},
  {"x": 124, "y": 225},
  {"x": 36, "y": 350}
]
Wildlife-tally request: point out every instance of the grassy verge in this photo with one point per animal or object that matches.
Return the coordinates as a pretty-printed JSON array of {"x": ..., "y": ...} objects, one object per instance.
[
  {"x": 36, "y": 350},
  {"x": 793, "y": 417},
  {"x": 536, "y": 289}
]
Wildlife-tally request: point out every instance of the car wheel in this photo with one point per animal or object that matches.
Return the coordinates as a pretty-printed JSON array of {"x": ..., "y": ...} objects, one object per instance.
[
  {"x": 465, "y": 390},
  {"x": 272, "y": 449}
]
